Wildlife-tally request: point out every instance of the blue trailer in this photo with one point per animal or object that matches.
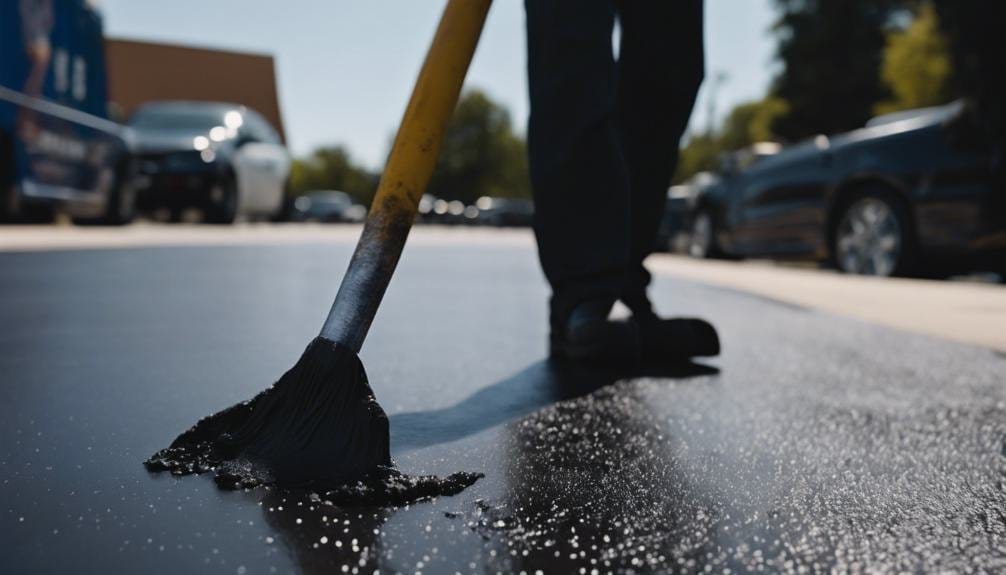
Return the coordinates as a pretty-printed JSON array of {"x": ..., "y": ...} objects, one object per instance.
[{"x": 58, "y": 148}]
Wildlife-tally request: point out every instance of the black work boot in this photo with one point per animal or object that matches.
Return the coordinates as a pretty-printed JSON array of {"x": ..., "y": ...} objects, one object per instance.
[
  {"x": 669, "y": 340},
  {"x": 587, "y": 335}
]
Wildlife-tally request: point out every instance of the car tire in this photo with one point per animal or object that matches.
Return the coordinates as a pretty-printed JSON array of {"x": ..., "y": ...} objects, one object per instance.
[
  {"x": 702, "y": 236},
  {"x": 12, "y": 208},
  {"x": 36, "y": 213},
  {"x": 120, "y": 209},
  {"x": 285, "y": 209},
  {"x": 873, "y": 234},
  {"x": 7, "y": 191},
  {"x": 224, "y": 208}
]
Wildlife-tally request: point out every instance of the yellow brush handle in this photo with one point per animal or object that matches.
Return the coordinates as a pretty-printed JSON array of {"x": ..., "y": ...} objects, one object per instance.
[{"x": 408, "y": 170}]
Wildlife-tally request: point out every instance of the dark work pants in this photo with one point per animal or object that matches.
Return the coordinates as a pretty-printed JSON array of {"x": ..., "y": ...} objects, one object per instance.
[{"x": 603, "y": 137}]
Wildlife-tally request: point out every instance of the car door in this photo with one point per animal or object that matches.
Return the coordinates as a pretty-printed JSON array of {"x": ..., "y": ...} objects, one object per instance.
[
  {"x": 264, "y": 163},
  {"x": 276, "y": 166},
  {"x": 248, "y": 168},
  {"x": 781, "y": 207}
]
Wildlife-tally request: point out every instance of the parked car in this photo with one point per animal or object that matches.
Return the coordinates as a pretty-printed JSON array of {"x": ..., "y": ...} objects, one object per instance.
[
  {"x": 426, "y": 215},
  {"x": 913, "y": 193},
  {"x": 224, "y": 159},
  {"x": 58, "y": 149},
  {"x": 504, "y": 212},
  {"x": 441, "y": 211},
  {"x": 673, "y": 231},
  {"x": 327, "y": 206}
]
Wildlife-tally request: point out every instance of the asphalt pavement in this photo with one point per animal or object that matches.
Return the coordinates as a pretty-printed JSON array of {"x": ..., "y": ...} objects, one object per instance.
[{"x": 815, "y": 442}]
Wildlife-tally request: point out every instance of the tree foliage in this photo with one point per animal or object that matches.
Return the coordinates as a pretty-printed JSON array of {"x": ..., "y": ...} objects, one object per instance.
[
  {"x": 746, "y": 124},
  {"x": 831, "y": 53},
  {"x": 841, "y": 62},
  {"x": 974, "y": 29},
  {"x": 752, "y": 122},
  {"x": 332, "y": 168},
  {"x": 917, "y": 65},
  {"x": 480, "y": 155},
  {"x": 700, "y": 154},
  {"x": 845, "y": 60}
]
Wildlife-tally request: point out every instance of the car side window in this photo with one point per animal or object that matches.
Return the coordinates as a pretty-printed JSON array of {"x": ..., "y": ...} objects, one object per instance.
[
  {"x": 262, "y": 130},
  {"x": 271, "y": 136},
  {"x": 249, "y": 131}
]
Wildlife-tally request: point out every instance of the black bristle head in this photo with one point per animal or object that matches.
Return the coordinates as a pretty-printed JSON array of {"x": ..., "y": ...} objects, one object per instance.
[{"x": 318, "y": 426}]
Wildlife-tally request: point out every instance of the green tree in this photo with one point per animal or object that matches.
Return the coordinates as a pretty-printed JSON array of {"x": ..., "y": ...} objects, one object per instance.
[
  {"x": 917, "y": 65},
  {"x": 480, "y": 155},
  {"x": 332, "y": 168},
  {"x": 974, "y": 29},
  {"x": 700, "y": 154},
  {"x": 746, "y": 124},
  {"x": 751, "y": 122},
  {"x": 831, "y": 53}
]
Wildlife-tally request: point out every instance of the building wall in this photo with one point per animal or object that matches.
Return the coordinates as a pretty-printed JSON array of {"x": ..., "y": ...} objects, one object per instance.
[{"x": 140, "y": 72}]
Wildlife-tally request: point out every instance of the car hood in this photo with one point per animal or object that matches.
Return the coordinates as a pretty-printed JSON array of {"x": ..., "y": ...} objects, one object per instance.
[{"x": 154, "y": 141}]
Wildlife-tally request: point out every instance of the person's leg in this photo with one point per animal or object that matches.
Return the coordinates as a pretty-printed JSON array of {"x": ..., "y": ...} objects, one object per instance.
[
  {"x": 578, "y": 178},
  {"x": 660, "y": 69}
]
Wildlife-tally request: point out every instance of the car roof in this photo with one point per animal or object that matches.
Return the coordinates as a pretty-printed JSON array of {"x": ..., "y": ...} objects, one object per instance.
[
  {"x": 185, "y": 105},
  {"x": 879, "y": 127},
  {"x": 932, "y": 114}
]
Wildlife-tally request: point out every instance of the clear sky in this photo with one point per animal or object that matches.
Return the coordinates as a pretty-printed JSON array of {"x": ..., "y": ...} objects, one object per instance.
[{"x": 346, "y": 66}]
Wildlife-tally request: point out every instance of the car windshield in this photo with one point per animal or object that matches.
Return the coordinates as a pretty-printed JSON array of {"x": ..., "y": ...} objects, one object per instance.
[
  {"x": 331, "y": 200},
  {"x": 177, "y": 119}
]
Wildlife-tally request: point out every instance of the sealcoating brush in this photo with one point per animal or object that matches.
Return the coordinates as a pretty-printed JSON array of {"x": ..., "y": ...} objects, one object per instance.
[{"x": 320, "y": 423}]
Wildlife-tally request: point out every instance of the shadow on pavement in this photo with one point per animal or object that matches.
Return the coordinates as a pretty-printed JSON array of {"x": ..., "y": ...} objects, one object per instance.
[
  {"x": 324, "y": 538},
  {"x": 539, "y": 385}
]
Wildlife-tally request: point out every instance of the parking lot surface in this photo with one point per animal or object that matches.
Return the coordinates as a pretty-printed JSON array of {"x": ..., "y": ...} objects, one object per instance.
[{"x": 814, "y": 442}]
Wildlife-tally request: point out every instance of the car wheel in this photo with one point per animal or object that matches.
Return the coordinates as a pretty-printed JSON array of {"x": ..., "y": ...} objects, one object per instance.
[
  {"x": 285, "y": 209},
  {"x": 873, "y": 236},
  {"x": 223, "y": 208},
  {"x": 7, "y": 191},
  {"x": 120, "y": 209},
  {"x": 33, "y": 213},
  {"x": 701, "y": 237}
]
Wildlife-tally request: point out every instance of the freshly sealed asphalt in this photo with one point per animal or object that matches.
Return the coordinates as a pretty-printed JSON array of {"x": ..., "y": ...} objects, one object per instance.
[{"x": 813, "y": 443}]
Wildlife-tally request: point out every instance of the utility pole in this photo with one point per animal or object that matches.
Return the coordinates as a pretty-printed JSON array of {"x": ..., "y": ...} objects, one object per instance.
[{"x": 718, "y": 80}]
